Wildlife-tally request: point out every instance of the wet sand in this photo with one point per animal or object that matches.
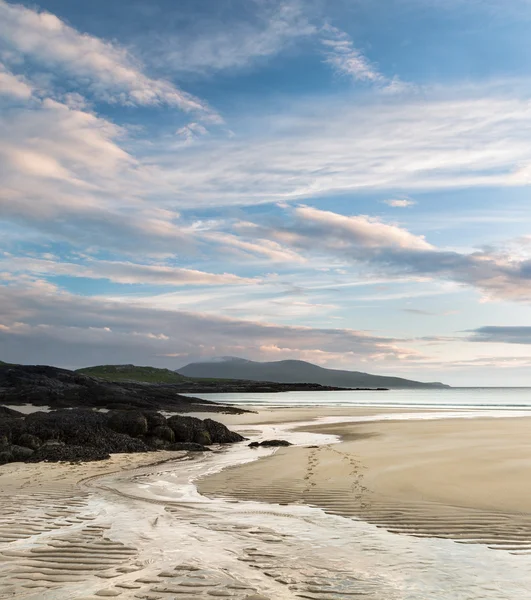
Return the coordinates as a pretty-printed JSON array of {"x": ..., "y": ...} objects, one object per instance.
[
  {"x": 134, "y": 527},
  {"x": 465, "y": 479}
]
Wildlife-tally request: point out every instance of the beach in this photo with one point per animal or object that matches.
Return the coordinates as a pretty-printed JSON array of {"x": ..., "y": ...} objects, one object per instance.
[{"x": 371, "y": 508}]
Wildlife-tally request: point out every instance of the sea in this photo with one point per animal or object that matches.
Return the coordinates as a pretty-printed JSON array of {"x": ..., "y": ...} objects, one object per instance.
[{"x": 478, "y": 398}]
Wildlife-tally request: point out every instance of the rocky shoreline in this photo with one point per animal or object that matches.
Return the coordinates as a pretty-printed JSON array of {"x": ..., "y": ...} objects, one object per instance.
[
  {"x": 59, "y": 388},
  {"x": 84, "y": 435}
]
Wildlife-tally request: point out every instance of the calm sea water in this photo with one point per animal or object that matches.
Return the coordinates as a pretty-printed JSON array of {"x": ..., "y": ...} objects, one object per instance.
[{"x": 472, "y": 398}]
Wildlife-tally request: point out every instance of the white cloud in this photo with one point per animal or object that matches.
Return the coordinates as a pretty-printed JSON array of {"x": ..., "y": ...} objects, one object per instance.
[
  {"x": 439, "y": 140},
  {"x": 344, "y": 58},
  {"x": 387, "y": 248},
  {"x": 121, "y": 272},
  {"x": 402, "y": 203},
  {"x": 111, "y": 72},
  {"x": 13, "y": 85},
  {"x": 343, "y": 231}
]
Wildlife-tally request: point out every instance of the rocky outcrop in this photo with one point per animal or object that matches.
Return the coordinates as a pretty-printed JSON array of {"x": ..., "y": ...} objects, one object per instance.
[
  {"x": 269, "y": 444},
  {"x": 9, "y": 413},
  {"x": 191, "y": 429},
  {"x": 60, "y": 388},
  {"x": 77, "y": 434}
]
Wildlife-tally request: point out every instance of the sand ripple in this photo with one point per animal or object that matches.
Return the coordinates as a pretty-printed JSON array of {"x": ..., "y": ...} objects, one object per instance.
[{"x": 348, "y": 496}]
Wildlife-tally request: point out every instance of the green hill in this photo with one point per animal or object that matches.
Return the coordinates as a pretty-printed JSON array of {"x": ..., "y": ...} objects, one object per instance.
[{"x": 132, "y": 373}]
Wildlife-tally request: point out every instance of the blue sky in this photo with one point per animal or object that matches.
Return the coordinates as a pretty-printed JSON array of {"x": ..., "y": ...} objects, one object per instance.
[{"x": 345, "y": 182}]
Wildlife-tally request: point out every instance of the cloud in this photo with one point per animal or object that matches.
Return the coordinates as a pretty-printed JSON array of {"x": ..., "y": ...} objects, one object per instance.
[
  {"x": 253, "y": 32},
  {"x": 110, "y": 72},
  {"x": 404, "y": 203},
  {"x": 502, "y": 334},
  {"x": 121, "y": 272},
  {"x": 343, "y": 232},
  {"x": 389, "y": 248},
  {"x": 441, "y": 139},
  {"x": 13, "y": 85},
  {"x": 41, "y": 325},
  {"x": 344, "y": 58}
]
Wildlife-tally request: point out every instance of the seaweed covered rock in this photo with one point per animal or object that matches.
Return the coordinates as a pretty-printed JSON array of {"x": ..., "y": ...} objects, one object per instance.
[
  {"x": 9, "y": 413},
  {"x": 188, "y": 447},
  {"x": 270, "y": 444},
  {"x": 80, "y": 435},
  {"x": 64, "y": 453},
  {"x": 191, "y": 429},
  {"x": 221, "y": 434},
  {"x": 131, "y": 422},
  {"x": 154, "y": 419},
  {"x": 185, "y": 428},
  {"x": 20, "y": 453},
  {"x": 29, "y": 441},
  {"x": 163, "y": 432}
]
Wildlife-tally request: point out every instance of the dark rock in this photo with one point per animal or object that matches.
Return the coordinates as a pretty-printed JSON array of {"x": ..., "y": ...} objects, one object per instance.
[
  {"x": 188, "y": 446},
  {"x": 203, "y": 438},
  {"x": 156, "y": 443},
  {"x": 81, "y": 428},
  {"x": 191, "y": 429},
  {"x": 164, "y": 432},
  {"x": 60, "y": 388},
  {"x": 221, "y": 434},
  {"x": 9, "y": 413},
  {"x": 63, "y": 453},
  {"x": 131, "y": 422},
  {"x": 79, "y": 435},
  {"x": 185, "y": 428},
  {"x": 29, "y": 441},
  {"x": 20, "y": 453},
  {"x": 6, "y": 457},
  {"x": 269, "y": 444},
  {"x": 154, "y": 419}
]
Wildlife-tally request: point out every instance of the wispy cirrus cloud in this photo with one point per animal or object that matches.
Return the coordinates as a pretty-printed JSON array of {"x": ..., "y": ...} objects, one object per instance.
[
  {"x": 120, "y": 272},
  {"x": 442, "y": 139},
  {"x": 105, "y": 69},
  {"x": 345, "y": 58},
  {"x": 255, "y": 31}
]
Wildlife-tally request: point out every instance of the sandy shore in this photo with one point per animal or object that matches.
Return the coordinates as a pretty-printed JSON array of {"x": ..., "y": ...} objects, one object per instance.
[
  {"x": 466, "y": 479},
  {"x": 134, "y": 527}
]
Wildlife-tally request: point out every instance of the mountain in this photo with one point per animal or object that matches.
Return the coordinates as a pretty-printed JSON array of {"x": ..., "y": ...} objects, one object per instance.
[
  {"x": 132, "y": 373},
  {"x": 295, "y": 371}
]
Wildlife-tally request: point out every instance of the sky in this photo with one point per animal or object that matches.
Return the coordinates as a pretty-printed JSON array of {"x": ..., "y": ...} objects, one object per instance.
[{"x": 344, "y": 182}]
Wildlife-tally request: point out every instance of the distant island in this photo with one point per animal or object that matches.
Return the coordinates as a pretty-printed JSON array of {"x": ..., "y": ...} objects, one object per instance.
[
  {"x": 198, "y": 385},
  {"x": 296, "y": 371}
]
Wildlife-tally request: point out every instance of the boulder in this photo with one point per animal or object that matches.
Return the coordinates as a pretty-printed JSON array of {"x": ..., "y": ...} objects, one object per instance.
[
  {"x": 269, "y": 444},
  {"x": 221, "y": 434},
  {"x": 185, "y": 428},
  {"x": 20, "y": 453},
  {"x": 188, "y": 447},
  {"x": 130, "y": 422},
  {"x": 29, "y": 441},
  {"x": 154, "y": 419},
  {"x": 163, "y": 432},
  {"x": 6, "y": 457}
]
